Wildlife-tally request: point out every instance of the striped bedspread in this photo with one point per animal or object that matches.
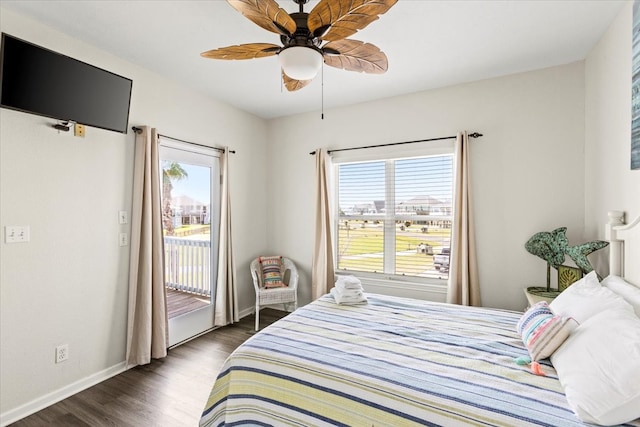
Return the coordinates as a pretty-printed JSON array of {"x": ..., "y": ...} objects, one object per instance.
[{"x": 393, "y": 362}]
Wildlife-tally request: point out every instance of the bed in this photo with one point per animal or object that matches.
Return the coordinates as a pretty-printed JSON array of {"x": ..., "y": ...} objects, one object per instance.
[{"x": 393, "y": 362}]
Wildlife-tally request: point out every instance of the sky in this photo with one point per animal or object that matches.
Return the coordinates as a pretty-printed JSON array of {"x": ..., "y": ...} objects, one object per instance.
[{"x": 197, "y": 185}]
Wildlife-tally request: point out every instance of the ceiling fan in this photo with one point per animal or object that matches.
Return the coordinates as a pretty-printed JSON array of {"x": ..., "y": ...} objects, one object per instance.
[{"x": 303, "y": 34}]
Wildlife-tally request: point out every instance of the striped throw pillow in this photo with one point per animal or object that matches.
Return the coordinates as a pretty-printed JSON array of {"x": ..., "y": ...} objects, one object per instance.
[
  {"x": 542, "y": 332},
  {"x": 271, "y": 267}
]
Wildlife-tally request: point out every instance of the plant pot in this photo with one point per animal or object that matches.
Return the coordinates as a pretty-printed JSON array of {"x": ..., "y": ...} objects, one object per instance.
[{"x": 540, "y": 293}]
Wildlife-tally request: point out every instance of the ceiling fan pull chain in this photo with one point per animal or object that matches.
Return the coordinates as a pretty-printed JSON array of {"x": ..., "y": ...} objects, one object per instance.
[{"x": 322, "y": 91}]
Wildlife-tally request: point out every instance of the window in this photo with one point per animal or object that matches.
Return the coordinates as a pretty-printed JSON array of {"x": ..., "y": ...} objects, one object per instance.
[{"x": 394, "y": 216}]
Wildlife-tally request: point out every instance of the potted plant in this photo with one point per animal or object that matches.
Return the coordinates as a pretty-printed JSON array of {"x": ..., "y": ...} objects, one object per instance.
[{"x": 552, "y": 246}]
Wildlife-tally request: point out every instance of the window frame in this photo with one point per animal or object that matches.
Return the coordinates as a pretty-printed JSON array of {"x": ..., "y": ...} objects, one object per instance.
[
  {"x": 389, "y": 156},
  {"x": 195, "y": 322}
]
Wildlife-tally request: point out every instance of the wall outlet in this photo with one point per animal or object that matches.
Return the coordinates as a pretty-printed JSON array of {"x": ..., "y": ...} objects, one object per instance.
[
  {"x": 123, "y": 238},
  {"x": 78, "y": 130},
  {"x": 62, "y": 353}
]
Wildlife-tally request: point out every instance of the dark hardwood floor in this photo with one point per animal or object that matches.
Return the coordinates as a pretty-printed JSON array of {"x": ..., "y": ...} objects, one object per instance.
[{"x": 167, "y": 392}]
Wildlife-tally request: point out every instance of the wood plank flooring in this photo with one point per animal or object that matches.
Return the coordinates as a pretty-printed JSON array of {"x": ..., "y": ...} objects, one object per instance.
[
  {"x": 179, "y": 302},
  {"x": 167, "y": 392}
]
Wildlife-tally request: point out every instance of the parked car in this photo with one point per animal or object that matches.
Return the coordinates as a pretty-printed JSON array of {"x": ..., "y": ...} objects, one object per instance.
[{"x": 441, "y": 260}]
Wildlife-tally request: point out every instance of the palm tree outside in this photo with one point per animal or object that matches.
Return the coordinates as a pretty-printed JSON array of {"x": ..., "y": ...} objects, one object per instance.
[{"x": 171, "y": 172}]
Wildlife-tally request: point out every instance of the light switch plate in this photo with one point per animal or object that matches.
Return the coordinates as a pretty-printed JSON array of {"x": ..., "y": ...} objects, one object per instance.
[
  {"x": 17, "y": 233},
  {"x": 123, "y": 217}
]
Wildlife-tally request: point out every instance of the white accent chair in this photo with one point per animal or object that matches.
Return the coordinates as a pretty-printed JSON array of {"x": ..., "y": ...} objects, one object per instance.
[{"x": 270, "y": 296}]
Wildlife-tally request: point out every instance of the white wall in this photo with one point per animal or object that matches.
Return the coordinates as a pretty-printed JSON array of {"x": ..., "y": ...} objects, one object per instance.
[
  {"x": 69, "y": 284},
  {"x": 528, "y": 169},
  {"x": 610, "y": 183}
]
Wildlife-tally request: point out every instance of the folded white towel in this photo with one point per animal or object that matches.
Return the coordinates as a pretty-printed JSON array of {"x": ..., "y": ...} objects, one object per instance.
[
  {"x": 348, "y": 282},
  {"x": 348, "y": 299},
  {"x": 349, "y": 288},
  {"x": 348, "y": 279}
]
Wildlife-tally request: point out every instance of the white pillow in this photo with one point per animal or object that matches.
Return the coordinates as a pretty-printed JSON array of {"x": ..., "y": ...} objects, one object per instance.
[
  {"x": 599, "y": 368},
  {"x": 585, "y": 298},
  {"x": 626, "y": 290}
]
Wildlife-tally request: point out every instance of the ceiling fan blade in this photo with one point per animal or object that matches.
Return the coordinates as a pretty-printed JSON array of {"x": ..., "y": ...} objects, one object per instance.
[
  {"x": 267, "y": 14},
  {"x": 291, "y": 84},
  {"x": 354, "y": 55},
  {"x": 338, "y": 19},
  {"x": 243, "y": 51}
]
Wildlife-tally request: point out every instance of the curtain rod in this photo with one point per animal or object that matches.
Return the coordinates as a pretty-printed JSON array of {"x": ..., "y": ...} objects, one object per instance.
[
  {"x": 139, "y": 130},
  {"x": 471, "y": 135}
]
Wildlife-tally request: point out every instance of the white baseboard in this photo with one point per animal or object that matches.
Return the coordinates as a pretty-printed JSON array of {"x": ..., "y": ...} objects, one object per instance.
[
  {"x": 49, "y": 399},
  {"x": 246, "y": 312}
]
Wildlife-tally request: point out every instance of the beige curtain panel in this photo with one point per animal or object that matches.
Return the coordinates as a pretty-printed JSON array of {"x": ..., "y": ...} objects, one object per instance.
[
  {"x": 463, "y": 286},
  {"x": 226, "y": 302},
  {"x": 147, "y": 324},
  {"x": 322, "y": 274}
]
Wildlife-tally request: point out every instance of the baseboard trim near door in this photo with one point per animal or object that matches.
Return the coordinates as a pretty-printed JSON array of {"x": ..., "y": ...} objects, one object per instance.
[{"x": 56, "y": 396}]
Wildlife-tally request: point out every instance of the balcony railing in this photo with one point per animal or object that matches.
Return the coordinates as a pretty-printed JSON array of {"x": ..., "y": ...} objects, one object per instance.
[{"x": 187, "y": 265}]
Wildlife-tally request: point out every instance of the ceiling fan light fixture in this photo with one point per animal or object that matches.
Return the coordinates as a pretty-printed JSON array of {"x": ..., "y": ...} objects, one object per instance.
[{"x": 300, "y": 63}]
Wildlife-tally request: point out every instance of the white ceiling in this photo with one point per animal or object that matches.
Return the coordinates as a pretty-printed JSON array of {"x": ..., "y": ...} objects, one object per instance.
[{"x": 429, "y": 44}]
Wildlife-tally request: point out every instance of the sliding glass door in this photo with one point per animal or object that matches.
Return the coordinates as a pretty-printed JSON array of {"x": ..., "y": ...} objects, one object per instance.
[{"x": 190, "y": 217}]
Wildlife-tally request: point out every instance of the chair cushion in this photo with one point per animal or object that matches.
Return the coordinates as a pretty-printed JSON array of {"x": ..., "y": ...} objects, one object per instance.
[{"x": 271, "y": 267}]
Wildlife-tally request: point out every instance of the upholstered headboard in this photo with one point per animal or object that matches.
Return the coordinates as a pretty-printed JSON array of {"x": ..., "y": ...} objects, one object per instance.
[{"x": 624, "y": 244}]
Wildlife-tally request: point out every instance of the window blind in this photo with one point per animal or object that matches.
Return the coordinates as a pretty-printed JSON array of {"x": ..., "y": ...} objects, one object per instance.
[{"x": 394, "y": 216}]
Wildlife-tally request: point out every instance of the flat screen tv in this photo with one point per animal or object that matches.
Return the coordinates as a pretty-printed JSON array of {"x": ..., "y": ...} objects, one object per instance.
[{"x": 39, "y": 81}]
